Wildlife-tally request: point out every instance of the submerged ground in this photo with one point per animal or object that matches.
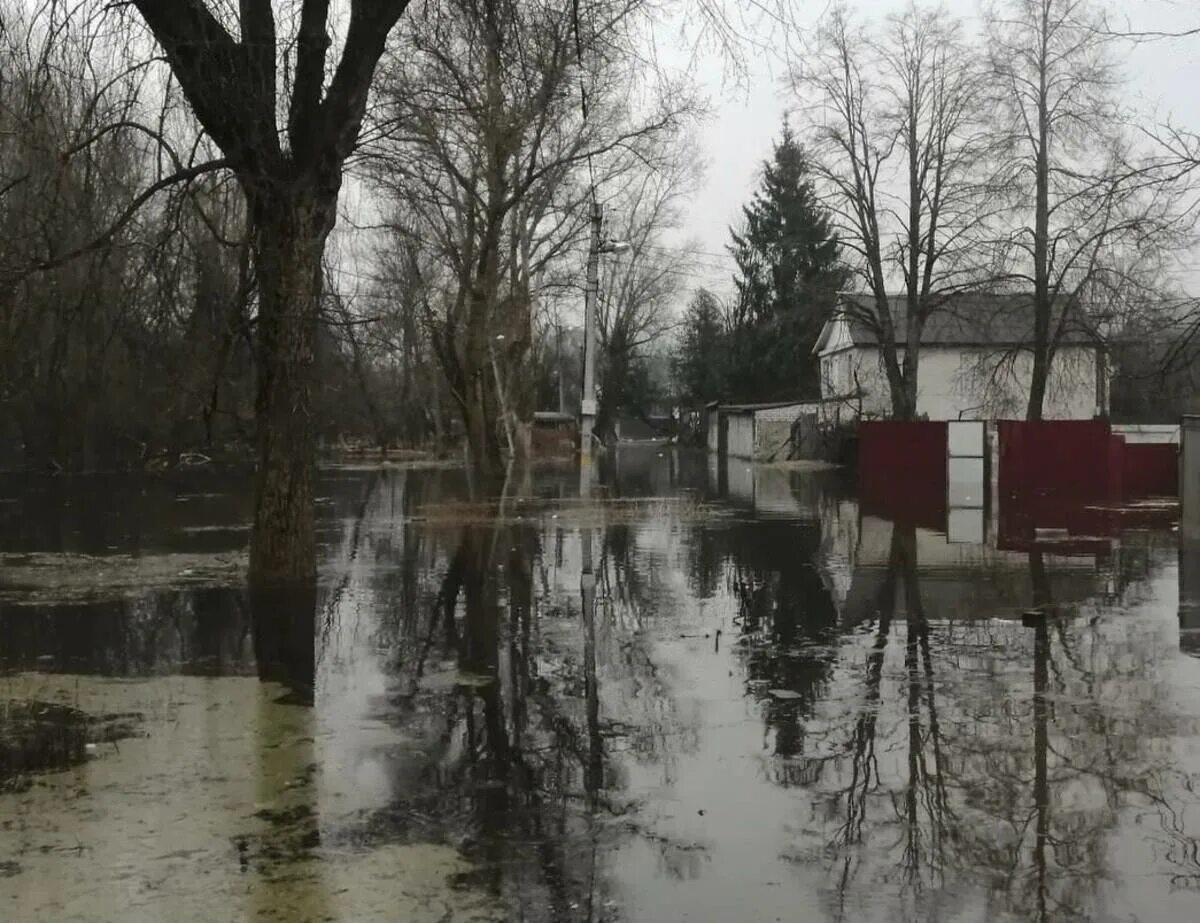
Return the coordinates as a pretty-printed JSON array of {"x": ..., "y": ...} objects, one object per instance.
[{"x": 778, "y": 706}]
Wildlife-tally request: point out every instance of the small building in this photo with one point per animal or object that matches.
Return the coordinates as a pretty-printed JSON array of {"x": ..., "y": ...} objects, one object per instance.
[
  {"x": 712, "y": 430},
  {"x": 975, "y": 362},
  {"x": 770, "y": 431},
  {"x": 554, "y": 434},
  {"x": 651, "y": 427}
]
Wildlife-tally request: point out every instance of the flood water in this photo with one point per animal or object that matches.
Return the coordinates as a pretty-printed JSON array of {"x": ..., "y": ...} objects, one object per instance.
[{"x": 698, "y": 694}]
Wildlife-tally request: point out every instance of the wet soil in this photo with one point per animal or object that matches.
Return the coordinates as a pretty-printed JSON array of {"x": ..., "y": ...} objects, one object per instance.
[
  {"x": 38, "y": 736},
  {"x": 208, "y": 814}
]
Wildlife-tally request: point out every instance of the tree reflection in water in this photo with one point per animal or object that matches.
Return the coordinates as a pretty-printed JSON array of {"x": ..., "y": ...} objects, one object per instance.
[
  {"x": 941, "y": 757},
  {"x": 951, "y": 767},
  {"x": 284, "y": 620},
  {"x": 786, "y": 622},
  {"x": 503, "y": 693}
]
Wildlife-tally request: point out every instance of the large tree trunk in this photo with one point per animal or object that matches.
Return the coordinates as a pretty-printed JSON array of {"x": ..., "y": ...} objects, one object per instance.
[
  {"x": 1037, "y": 385},
  {"x": 914, "y": 328},
  {"x": 912, "y": 318},
  {"x": 1041, "y": 241},
  {"x": 480, "y": 414},
  {"x": 290, "y": 238},
  {"x": 480, "y": 406},
  {"x": 890, "y": 346},
  {"x": 888, "y": 356}
]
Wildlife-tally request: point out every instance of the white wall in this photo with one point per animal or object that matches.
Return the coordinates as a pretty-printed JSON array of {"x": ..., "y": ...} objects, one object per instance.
[
  {"x": 741, "y": 435},
  {"x": 963, "y": 383},
  {"x": 739, "y": 479},
  {"x": 999, "y": 385},
  {"x": 1149, "y": 433}
]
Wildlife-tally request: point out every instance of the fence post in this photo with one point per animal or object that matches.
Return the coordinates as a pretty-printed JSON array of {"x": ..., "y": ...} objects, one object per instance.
[{"x": 1189, "y": 480}]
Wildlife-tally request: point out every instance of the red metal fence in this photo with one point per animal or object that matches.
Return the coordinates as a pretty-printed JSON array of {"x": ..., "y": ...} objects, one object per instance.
[
  {"x": 1068, "y": 474},
  {"x": 1151, "y": 469},
  {"x": 1082, "y": 459},
  {"x": 1059, "y": 458},
  {"x": 902, "y": 471},
  {"x": 1074, "y": 475}
]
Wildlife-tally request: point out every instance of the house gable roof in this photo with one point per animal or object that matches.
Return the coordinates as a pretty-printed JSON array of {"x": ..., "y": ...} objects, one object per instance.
[{"x": 967, "y": 319}]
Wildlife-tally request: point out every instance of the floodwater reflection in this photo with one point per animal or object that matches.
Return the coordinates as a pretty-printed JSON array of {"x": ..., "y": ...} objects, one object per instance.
[{"x": 690, "y": 694}]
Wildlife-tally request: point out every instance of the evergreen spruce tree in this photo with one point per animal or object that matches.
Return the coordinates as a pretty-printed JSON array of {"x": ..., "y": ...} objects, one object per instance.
[
  {"x": 788, "y": 274},
  {"x": 700, "y": 362}
]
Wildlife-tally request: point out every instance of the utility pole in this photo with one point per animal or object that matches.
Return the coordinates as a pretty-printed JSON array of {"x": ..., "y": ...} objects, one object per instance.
[
  {"x": 562, "y": 397},
  {"x": 587, "y": 413},
  {"x": 587, "y": 409},
  {"x": 591, "y": 292}
]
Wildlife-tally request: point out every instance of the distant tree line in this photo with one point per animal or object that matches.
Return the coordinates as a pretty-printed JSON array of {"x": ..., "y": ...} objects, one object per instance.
[
  {"x": 172, "y": 287},
  {"x": 133, "y": 292}
]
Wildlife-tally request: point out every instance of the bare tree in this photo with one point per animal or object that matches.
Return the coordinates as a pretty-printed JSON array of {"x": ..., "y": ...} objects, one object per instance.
[
  {"x": 1085, "y": 214},
  {"x": 228, "y": 64},
  {"x": 638, "y": 290},
  {"x": 898, "y": 148},
  {"x": 511, "y": 112},
  {"x": 119, "y": 289},
  {"x": 394, "y": 333}
]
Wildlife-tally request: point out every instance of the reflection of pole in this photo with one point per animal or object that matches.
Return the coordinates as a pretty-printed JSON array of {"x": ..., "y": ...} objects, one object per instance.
[
  {"x": 587, "y": 593},
  {"x": 593, "y": 777},
  {"x": 1189, "y": 598},
  {"x": 590, "y": 292}
]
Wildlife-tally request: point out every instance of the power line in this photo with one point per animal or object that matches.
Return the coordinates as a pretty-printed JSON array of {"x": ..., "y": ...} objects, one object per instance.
[{"x": 687, "y": 250}]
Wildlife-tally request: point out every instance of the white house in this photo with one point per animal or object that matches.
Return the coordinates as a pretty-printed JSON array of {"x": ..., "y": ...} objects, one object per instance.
[{"x": 975, "y": 362}]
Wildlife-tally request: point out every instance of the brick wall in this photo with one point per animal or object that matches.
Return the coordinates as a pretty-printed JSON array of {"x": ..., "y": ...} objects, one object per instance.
[
  {"x": 779, "y": 414},
  {"x": 771, "y": 439},
  {"x": 773, "y": 430}
]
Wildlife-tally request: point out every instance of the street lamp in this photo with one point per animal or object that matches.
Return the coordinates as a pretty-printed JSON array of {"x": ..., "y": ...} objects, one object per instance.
[{"x": 588, "y": 404}]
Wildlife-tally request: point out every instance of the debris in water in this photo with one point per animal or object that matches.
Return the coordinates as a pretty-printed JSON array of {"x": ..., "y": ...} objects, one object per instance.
[{"x": 38, "y": 736}]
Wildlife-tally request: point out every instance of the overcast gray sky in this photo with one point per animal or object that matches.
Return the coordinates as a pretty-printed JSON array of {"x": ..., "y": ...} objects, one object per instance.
[{"x": 1163, "y": 80}]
